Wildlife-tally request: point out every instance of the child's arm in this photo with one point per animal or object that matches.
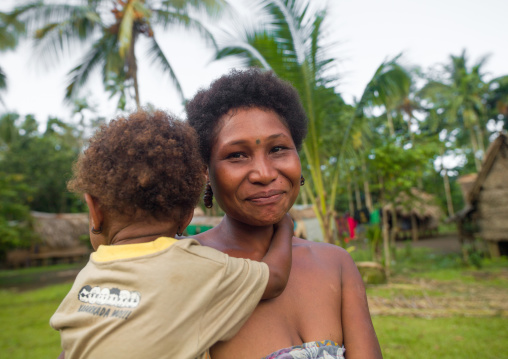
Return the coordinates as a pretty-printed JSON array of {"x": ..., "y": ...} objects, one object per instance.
[{"x": 279, "y": 257}]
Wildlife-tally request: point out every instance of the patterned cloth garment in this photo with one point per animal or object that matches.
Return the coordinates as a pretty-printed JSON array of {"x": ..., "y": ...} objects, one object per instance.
[{"x": 326, "y": 349}]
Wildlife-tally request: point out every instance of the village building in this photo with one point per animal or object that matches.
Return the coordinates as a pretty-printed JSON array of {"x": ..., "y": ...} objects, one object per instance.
[{"x": 485, "y": 214}]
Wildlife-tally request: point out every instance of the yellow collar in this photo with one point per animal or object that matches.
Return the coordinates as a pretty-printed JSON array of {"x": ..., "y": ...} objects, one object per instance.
[{"x": 123, "y": 251}]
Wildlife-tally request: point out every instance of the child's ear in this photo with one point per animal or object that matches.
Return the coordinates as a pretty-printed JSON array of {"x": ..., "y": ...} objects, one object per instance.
[
  {"x": 95, "y": 211},
  {"x": 186, "y": 220}
]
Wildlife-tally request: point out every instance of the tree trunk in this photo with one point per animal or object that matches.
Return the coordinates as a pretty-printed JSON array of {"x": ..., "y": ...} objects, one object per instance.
[
  {"x": 390, "y": 122},
  {"x": 132, "y": 69},
  {"x": 448, "y": 193},
  {"x": 480, "y": 140},
  {"x": 386, "y": 240},
  {"x": 414, "y": 228},
  {"x": 475, "y": 150},
  {"x": 350, "y": 198},
  {"x": 357, "y": 196},
  {"x": 386, "y": 234},
  {"x": 326, "y": 220},
  {"x": 366, "y": 187},
  {"x": 446, "y": 181},
  {"x": 394, "y": 231}
]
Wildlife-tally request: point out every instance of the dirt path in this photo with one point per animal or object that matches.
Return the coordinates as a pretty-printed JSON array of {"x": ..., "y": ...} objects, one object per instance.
[
  {"x": 443, "y": 243},
  {"x": 431, "y": 298}
]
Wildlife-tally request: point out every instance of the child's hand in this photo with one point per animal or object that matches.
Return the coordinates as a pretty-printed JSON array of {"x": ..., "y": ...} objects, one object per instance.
[
  {"x": 285, "y": 223},
  {"x": 279, "y": 257}
]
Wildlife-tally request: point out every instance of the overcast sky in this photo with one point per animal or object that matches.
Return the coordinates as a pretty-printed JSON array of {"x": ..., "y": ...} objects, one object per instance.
[{"x": 366, "y": 31}]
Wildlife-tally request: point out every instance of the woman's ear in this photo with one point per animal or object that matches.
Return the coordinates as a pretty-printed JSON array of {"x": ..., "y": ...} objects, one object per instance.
[
  {"x": 96, "y": 214},
  {"x": 207, "y": 175}
]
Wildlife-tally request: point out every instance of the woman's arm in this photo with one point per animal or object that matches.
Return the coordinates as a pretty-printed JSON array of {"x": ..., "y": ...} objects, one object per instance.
[
  {"x": 360, "y": 338},
  {"x": 279, "y": 258}
]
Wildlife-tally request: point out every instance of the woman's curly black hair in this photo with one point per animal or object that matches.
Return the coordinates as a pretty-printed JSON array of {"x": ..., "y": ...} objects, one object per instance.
[
  {"x": 252, "y": 88},
  {"x": 147, "y": 161}
]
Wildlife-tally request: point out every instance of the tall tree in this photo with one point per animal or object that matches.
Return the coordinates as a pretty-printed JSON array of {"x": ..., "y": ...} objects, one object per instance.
[
  {"x": 10, "y": 29},
  {"x": 291, "y": 43},
  {"x": 388, "y": 87},
  {"x": 111, "y": 29},
  {"x": 460, "y": 96},
  {"x": 40, "y": 161},
  {"x": 497, "y": 100}
]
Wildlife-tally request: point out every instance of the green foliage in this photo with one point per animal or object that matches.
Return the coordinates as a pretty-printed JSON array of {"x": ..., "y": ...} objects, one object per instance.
[
  {"x": 10, "y": 29},
  {"x": 43, "y": 160},
  {"x": 15, "y": 223}
]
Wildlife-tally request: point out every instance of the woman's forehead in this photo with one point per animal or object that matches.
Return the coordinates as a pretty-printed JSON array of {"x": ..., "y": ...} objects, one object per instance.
[{"x": 250, "y": 121}]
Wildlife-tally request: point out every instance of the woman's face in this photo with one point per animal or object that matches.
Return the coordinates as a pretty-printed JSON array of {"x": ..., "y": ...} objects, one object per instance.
[{"x": 254, "y": 167}]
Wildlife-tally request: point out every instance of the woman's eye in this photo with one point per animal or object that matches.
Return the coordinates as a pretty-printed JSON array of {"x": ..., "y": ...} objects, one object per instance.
[
  {"x": 277, "y": 149},
  {"x": 235, "y": 155}
]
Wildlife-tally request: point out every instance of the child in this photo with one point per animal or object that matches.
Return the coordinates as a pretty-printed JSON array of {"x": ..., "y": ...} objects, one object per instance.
[{"x": 144, "y": 293}]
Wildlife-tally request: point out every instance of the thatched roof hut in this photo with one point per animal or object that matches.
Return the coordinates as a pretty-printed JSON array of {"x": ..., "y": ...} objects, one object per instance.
[
  {"x": 487, "y": 198},
  {"x": 60, "y": 230},
  {"x": 415, "y": 210}
]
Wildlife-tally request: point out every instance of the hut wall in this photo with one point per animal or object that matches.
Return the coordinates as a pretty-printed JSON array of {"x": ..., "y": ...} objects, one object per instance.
[{"x": 493, "y": 200}]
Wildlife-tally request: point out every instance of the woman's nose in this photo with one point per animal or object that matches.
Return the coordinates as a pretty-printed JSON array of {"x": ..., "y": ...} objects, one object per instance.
[{"x": 262, "y": 171}]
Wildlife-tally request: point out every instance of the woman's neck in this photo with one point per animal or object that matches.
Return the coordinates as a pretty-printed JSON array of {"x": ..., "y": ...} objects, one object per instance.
[{"x": 237, "y": 236}]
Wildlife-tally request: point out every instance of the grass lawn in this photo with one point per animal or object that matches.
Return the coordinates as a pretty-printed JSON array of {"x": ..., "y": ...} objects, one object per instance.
[
  {"x": 433, "y": 283},
  {"x": 443, "y": 338},
  {"x": 24, "y": 323}
]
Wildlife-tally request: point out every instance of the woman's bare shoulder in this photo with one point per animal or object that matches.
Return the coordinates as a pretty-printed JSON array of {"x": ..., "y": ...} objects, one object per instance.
[{"x": 321, "y": 253}]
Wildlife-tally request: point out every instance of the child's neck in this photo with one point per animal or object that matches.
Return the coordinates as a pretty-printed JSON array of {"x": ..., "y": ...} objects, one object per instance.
[{"x": 141, "y": 232}]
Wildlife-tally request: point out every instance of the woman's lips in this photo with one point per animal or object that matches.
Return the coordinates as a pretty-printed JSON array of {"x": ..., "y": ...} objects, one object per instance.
[{"x": 265, "y": 197}]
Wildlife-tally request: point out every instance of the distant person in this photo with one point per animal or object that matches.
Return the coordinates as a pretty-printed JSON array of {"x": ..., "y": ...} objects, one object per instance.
[
  {"x": 144, "y": 294},
  {"x": 351, "y": 222}
]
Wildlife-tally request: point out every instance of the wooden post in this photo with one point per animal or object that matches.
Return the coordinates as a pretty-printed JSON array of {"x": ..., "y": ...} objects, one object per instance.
[
  {"x": 414, "y": 228},
  {"x": 494, "y": 249}
]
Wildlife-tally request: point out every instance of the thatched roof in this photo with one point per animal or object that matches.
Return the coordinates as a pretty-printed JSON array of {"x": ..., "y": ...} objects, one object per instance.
[
  {"x": 421, "y": 204},
  {"x": 60, "y": 230},
  {"x": 494, "y": 149}
]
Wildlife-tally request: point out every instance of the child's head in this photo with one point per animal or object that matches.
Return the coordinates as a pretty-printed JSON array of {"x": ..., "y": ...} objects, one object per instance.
[{"x": 143, "y": 165}]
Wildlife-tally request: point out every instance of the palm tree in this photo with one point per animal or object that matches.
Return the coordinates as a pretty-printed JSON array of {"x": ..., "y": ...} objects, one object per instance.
[
  {"x": 290, "y": 43},
  {"x": 111, "y": 29},
  {"x": 10, "y": 29},
  {"x": 461, "y": 97},
  {"x": 497, "y": 99},
  {"x": 388, "y": 87}
]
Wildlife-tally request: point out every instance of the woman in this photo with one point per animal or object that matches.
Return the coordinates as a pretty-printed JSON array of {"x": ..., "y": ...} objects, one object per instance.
[{"x": 250, "y": 126}]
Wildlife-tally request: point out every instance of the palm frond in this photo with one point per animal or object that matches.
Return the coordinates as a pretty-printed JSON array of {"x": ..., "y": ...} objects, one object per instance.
[
  {"x": 167, "y": 18},
  {"x": 98, "y": 54},
  {"x": 56, "y": 27},
  {"x": 212, "y": 7},
  {"x": 158, "y": 58}
]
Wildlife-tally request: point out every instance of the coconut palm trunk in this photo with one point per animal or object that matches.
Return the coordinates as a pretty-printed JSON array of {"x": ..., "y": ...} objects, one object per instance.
[
  {"x": 366, "y": 187},
  {"x": 133, "y": 69},
  {"x": 385, "y": 229},
  {"x": 474, "y": 144}
]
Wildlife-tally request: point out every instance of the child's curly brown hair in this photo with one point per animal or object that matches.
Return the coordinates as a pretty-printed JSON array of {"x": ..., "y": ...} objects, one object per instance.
[
  {"x": 251, "y": 88},
  {"x": 148, "y": 161}
]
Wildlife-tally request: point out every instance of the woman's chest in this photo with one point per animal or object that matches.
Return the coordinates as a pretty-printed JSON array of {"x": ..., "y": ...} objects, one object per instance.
[{"x": 307, "y": 310}]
